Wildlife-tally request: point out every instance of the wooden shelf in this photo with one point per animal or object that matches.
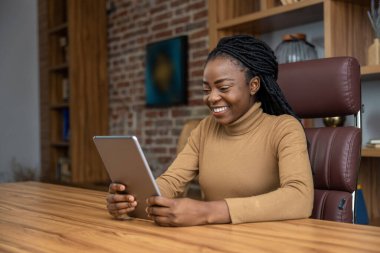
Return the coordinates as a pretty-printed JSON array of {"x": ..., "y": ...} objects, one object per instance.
[
  {"x": 59, "y": 106},
  {"x": 73, "y": 46},
  {"x": 370, "y": 152},
  {"x": 60, "y": 144},
  {"x": 58, "y": 28},
  {"x": 370, "y": 72},
  {"x": 59, "y": 67},
  {"x": 277, "y": 17}
]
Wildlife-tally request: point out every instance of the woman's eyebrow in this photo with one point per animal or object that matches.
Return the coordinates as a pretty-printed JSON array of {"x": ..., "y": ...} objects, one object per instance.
[
  {"x": 218, "y": 81},
  {"x": 222, "y": 80}
]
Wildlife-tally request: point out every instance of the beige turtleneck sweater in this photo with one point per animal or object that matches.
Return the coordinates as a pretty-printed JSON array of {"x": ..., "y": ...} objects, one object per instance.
[{"x": 258, "y": 164}]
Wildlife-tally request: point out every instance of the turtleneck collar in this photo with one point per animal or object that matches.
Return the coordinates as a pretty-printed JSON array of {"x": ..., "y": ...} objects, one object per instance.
[{"x": 249, "y": 121}]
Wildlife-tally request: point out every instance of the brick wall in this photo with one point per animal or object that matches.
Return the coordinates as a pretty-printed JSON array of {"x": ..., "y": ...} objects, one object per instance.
[{"x": 132, "y": 25}]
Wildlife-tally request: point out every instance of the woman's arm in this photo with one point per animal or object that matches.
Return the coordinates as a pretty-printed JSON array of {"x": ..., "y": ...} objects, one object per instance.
[{"x": 184, "y": 168}]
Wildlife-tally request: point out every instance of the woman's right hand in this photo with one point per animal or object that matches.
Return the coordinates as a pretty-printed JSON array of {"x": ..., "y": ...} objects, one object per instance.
[{"x": 118, "y": 204}]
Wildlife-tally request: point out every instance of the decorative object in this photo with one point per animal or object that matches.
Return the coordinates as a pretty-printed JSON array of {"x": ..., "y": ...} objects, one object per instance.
[
  {"x": 293, "y": 48},
  {"x": 166, "y": 72},
  {"x": 334, "y": 121},
  {"x": 374, "y": 49}
]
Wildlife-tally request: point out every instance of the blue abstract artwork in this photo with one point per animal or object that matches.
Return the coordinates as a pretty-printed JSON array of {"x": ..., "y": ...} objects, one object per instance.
[{"x": 166, "y": 72}]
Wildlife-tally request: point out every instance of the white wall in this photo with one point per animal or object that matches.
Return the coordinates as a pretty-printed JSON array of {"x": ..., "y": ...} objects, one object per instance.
[{"x": 19, "y": 87}]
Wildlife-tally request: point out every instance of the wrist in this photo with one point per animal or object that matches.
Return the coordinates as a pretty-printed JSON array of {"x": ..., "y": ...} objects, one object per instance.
[{"x": 217, "y": 212}]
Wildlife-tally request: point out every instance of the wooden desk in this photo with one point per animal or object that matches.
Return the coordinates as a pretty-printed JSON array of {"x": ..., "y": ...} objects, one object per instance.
[{"x": 37, "y": 217}]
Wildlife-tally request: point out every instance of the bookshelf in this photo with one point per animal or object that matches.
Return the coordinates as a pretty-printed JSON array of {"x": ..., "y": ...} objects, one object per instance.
[
  {"x": 74, "y": 89},
  {"x": 346, "y": 31}
]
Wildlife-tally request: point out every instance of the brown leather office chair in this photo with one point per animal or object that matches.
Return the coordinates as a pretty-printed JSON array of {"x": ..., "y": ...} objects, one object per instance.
[{"x": 326, "y": 88}]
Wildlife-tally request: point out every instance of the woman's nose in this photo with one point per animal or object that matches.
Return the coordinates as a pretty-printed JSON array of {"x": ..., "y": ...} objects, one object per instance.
[{"x": 214, "y": 96}]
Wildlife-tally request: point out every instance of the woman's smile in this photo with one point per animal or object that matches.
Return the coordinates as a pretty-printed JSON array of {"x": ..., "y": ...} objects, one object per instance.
[{"x": 219, "y": 110}]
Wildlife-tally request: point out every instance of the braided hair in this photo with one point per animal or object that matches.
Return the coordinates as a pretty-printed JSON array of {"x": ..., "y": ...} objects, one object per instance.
[{"x": 259, "y": 60}]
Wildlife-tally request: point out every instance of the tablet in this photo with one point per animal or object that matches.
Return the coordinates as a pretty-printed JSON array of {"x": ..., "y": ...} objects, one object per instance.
[{"x": 125, "y": 163}]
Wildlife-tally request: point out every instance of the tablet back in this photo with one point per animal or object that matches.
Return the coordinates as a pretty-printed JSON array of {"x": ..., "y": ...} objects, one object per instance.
[{"x": 125, "y": 163}]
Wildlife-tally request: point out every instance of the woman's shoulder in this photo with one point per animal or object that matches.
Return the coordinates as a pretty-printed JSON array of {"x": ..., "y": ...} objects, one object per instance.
[
  {"x": 284, "y": 120},
  {"x": 285, "y": 126}
]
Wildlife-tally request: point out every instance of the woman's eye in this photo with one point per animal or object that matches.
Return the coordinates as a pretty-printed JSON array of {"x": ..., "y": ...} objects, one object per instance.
[
  {"x": 224, "y": 88},
  {"x": 206, "y": 91}
]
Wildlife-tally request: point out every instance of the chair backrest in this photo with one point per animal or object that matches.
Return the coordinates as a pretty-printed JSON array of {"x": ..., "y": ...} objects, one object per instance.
[
  {"x": 326, "y": 88},
  {"x": 185, "y": 133}
]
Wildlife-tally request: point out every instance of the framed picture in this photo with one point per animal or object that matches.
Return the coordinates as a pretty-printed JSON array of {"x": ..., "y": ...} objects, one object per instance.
[{"x": 166, "y": 72}]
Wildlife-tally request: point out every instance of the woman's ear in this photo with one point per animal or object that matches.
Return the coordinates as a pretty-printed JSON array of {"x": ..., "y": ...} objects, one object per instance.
[{"x": 254, "y": 85}]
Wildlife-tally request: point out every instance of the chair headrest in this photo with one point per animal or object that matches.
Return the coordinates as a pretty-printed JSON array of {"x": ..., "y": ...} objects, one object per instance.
[{"x": 322, "y": 88}]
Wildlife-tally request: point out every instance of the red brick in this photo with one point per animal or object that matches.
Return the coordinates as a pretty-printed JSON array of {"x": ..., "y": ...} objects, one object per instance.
[
  {"x": 197, "y": 5},
  {"x": 202, "y": 53},
  {"x": 180, "y": 112},
  {"x": 164, "y": 34},
  {"x": 193, "y": 102},
  {"x": 163, "y": 16},
  {"x": 197, "y": 25},
  {"x": 201, "y": 34},
  {"x": 179, "y": 30},
  {"x": 197, "y": 73},
  {"x": 203, "y": 14},
  {"x": 164, "y": 141},
  {"x": 177, "y": 3},
  {"x": 160, "y": 26},
  {"x": 158, "y": 150},
  {"x": 159, "y": 8},
  {"x": 181, "y": 20},
  {"x": 198, "y": 44}
]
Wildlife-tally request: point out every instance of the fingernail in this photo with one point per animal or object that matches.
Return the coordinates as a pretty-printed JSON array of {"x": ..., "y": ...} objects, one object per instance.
[
  {"x": 122, "y": 188},
  {"x": 147, "y": 201}
]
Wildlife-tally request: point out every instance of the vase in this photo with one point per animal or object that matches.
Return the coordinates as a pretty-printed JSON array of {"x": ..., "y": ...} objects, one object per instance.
[
  {"x": 374, "y": 52},
  {"x": 293, "y": 48},
  {"x": 334, "y": 121}
]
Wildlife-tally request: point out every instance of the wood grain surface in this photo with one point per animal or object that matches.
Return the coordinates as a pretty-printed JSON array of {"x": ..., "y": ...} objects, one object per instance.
[{"x": 38, "y": 217}]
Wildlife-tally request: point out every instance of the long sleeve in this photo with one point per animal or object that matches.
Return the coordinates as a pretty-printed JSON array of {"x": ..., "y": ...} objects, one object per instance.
[
  {"x": 184, "y": 168},
  {"x": 294, "y": 197}
]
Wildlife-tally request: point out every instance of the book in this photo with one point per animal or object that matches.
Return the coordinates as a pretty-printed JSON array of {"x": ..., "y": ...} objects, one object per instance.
[
  {"x": 65, "y": 89},
  {"x": 66, "y": 124},
  {"x": 373, "y": 145},
  {"x": 374, "y": 141},
  {"x": 63, "y": 169}
]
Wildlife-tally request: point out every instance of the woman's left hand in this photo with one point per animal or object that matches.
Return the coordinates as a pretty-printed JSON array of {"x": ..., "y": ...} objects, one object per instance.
[
  {"x": 177, "y": 212},
  {"x": 186, "y": 212}
]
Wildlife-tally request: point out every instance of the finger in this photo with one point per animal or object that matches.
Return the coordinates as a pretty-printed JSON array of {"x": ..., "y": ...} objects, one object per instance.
[
  {"x": 112, "y": 198},
  {"x": 119, "y": 212},
  {"x": 157, "y": 211},
  {"x": 115, "y": 187},
  {"x": 159, "y": 201},
  {"x": 121, "y": 205}
]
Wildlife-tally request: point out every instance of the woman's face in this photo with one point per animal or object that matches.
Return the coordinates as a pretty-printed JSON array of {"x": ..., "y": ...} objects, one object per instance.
[{"x": 226, "y": 90}]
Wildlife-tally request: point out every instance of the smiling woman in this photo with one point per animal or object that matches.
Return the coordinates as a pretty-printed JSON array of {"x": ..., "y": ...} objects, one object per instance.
[
  {"x": 226, "y": 91},
  {"x": 250, "y": 153}
]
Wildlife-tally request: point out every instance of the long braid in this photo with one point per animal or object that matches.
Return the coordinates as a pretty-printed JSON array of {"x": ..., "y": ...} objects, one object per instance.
[{"x": 259, "y": 59}]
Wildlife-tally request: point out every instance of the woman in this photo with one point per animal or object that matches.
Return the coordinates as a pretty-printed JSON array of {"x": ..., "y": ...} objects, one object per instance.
[{"x": 251, "y": 151}]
